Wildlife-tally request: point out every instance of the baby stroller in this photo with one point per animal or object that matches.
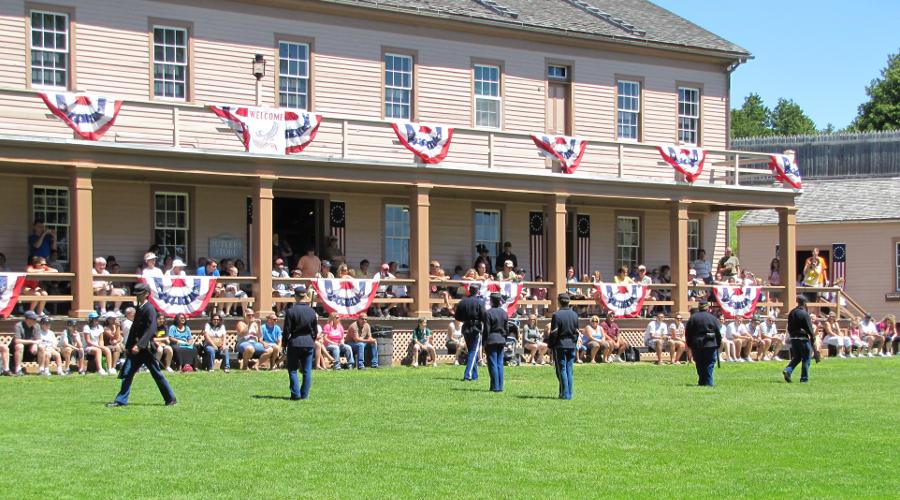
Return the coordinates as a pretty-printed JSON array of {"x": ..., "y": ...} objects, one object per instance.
[{"x": 510, "y": 358}]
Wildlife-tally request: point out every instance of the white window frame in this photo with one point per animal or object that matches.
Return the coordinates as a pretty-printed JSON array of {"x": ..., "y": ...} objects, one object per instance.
[
  {"x": 493, "y": 95},
  {"x": 628, "y": 104},
  {"x": 693, "y": 238},
  {"x": 689, "y": 115},
  {"x": 621, "y": 246},
  {"x": 492, "y": 242},
  {"x": 37, "y": 62},
  {"x": 391, "y": 73},
  {"x": 300, "y": 77},
  {"x": 174, "y": 64},
  {"x": 558, "y": 72},
  {"x": 395, "y": 233},
  {"x": 897, "y": 258},
  {"x": 165, "y": 226},
  {"x": 41, "y": 211}
]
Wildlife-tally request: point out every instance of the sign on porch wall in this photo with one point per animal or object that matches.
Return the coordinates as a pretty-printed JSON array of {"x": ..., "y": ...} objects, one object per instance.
[
  {"x": 90, "y": 116},
  {"x": 226, "y": 246}
]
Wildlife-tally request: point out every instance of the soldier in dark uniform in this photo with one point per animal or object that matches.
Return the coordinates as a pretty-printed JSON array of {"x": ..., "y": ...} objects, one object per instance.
[
  {"x": 299, "y": 338},
  {"x": 141, "y": 350},
  {"x": 703, "y": 336},
  {"x": 495, "y": 332},
  {"x": 563, "y": 340},
  {"x": 801, "y": 331},
  {"x": 471, "y": 312}
]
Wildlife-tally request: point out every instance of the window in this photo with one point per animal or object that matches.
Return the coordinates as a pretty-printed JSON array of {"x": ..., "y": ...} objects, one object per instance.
[
  {"x": 628, "y": 242},
  {"x": 170, "y": 62},
  {"x": 49, "y": 49},
  {"x": 398, "y": 78},
  {"x": 688, "y": 115},
  {"x": 629, "y": 110},
  {"x": 171, "y": 225},
  {"x": 293, "y": 75},
  {"x": 50, "y": 205},
  {"x": 487, "y": 96},
  {"x": 693, "y": 238},
  {"x": 487, "y": 232},
  {"x": 897, "y": 252},
  {"x": 555, "y": 72},
  {"x": 396, "y": 235}
]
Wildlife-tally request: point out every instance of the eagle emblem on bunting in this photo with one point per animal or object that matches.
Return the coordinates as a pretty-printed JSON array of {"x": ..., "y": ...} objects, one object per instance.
[
  {"x": 623, "y": 300},
  {"x": 428, "y": 142},
  {"x": 737, "y": 301},
  {"x": 566, "y": 150},
  {"x": 269, "y": 130},
  {"x": 88, "y": 115},
  {"x": 346, "y": 296},
  {"x": 687, "y": 160},
  {"x": 188, "y": 295},
  {"x": 786, "y": 170},
  {"x": 10, "y": 289}
]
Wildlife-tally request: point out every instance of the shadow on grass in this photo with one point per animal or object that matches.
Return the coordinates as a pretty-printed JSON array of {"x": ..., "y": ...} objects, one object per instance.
[
  {"x": 469, "y": 389},
  {"x": 526, "y": 396},
  {"x": 103, "y": 403},
  {"x": 266, "y": 396}
]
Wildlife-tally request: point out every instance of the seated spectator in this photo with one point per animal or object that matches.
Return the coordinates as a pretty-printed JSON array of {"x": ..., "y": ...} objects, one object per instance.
[
  {"x": 105, "y": 288},
  {"x": 334, "y": 341},
  {"x": 325, "y": 270},
  {"x": 622, "y": 277},
  {"x": 532, "y": 341},
  {"x": 343, "y": 272},
  {"x": 739, "y": 333},
  {"x": 150, "y": 271},
  {"x": 656, "y": 336},
  {"x": 127, "y": 321},
  {"x": 868, "y": 331},
  {"x": 211, "y": 268},
  {"x": 677, "y": 340},
  {"x": 27, "y": 341},
  {"x": 888, "y": 330},
  {"x": 233, "y": 291},
  {"x": 384, "y": 290},
  {"x": 574, "y": 291},
  {"x": 49, "y": 343},
  {"x": 280, "y": 289},
  {"x": 179, "y": 334},
  {"x": 33, "y": 287},
  {"x": 435, "y": 273},
  {"x": 456, "y": 343},
  {"x": 164, "y": 351},
  {"x": 359, "y": 336},
  {"x": 400, "y": 291},
  {"x": 856, "y": 340},
  {"x": 93, "y": 341},
  {"x": 309, "y": 263},
  {"x": 617, "y": 344},
  {"x": 507, "y": 273},
  {"x": 363, "y": 272},
  {"x": 596, "y": 341},
  {"x": 695, "y": 294},
  {"x": 248, "y": 344},
  {"x": 767, "y": 332},
  {"x": 176, "y": 268},
  {"x": 113, "y": 339},
  {"x": 728, "y": 347},
  {"x": 323, "y": 359},
  {"x": 481, "y": 270},
  {"x": 421, "y": 342},
  {"x": 581, "y": 348},
  {"x": 167, "y": 264},
  {"x": 215, "y": 344},
  {"x": 270, "y": 335},
  {"x": 4, "y": 360},
  {"x": 702, "y": 267},
  {"x": 834, "y": 336}
]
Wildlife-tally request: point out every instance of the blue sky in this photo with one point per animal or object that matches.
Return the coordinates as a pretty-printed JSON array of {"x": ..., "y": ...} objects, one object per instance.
[{"x": 821, "y": 54}]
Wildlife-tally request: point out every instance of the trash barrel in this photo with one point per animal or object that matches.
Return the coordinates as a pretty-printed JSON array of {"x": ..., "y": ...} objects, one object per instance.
[{"x": 384, "y": 338}]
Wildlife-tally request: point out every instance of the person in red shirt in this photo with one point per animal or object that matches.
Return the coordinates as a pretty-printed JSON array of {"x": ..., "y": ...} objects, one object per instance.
[
  {"x": 33, "y": 287},
  {"x": 617, "y": 344}
]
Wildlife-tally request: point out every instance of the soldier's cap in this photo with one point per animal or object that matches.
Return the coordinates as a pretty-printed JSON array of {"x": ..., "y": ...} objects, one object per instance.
[
  {"x": 801, "y": 300},
  {"x": 31, "y": 315},
  {"x": 72, "y": 322},
  {"x": 45, "y": 319},
  {"x": 299, "y": 290},
  {"x": 141, "y": 288},
  {"x": 496, "y": 296},
  {"x": 564, "y": 297},
  {"x": 703, "y": 305}
]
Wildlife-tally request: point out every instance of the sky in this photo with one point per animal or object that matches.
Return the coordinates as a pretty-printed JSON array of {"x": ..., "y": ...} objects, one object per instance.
[{"x": 821, "y": 54}]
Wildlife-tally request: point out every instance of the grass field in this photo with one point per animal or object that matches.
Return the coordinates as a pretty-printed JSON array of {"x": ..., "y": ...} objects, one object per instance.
[{"x": 631, "y": 430}]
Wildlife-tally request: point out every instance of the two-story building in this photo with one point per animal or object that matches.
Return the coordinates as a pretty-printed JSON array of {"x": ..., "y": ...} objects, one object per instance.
[{"x": 624, "y": 76}]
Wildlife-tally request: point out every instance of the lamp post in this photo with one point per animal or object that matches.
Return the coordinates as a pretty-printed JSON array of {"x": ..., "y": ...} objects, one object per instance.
[{"x": 259, "y": 71}]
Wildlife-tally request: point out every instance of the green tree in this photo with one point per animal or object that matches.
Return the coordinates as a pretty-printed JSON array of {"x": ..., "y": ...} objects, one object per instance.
[
  {"x": 882, "y": 112},
  {"x": 789, "y": 119},
  {"x": 752, "y": 119}
]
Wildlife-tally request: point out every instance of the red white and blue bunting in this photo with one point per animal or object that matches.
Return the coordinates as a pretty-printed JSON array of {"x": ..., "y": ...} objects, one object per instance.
[
  {"x": 623, "y": 300},
  {"x": 566, "y": 150},
  {"x": 10, "y": 288},
  {"x": 429, "y": 142},
  {"x": 737, "y": 300},
  {"x": 346, "y": 296},
  {"x": 786, "y": 170},
  {"x": 88, "y": 115},
  {"x": 687, "y": 160},
  {"x": 270, "y": 130},
  {"x": 188, "y": 295},
  {"x": 509, "y": 291}
]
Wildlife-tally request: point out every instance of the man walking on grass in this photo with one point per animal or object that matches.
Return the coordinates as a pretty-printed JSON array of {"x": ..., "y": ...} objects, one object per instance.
[{"x": 801, "y": 331}]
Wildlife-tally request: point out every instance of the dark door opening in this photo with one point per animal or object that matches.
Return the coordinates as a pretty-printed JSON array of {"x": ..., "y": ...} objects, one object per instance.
[{"x": 297, "y": 224}]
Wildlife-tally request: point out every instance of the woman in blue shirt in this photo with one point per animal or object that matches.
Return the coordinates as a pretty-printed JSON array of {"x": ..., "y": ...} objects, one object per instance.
[{"x": 182, "y": 342}]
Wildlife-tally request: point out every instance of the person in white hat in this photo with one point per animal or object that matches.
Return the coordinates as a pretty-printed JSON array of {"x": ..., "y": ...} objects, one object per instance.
[
  {"x": 177, "y": 268},
  {"x": 150, "y": 270}
]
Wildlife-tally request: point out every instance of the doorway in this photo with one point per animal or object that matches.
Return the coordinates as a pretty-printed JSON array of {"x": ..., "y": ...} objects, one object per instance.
[{"x": 297, "y": 222}]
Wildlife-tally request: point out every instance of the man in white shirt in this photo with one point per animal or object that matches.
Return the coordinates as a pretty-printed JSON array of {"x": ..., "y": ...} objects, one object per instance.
[
  {"x": 739, "y": 333},
  {"x": 868, "y": 331},
  {"x": 767, "y": 333},
  {"x": 150, "y": 270},
  {"x": 283, "y": 288},
  {"x": 656, "y": 336}
]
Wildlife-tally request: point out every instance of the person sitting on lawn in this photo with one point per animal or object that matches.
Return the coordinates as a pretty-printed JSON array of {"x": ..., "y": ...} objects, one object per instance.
[
  {"x": 888, "y": 330},
  {"x": 214, "y": 343},
  {"x": 323, "y": 359},
  {"x": 334, "y": 341},
  {"x": 656, "y": 336},
  {"x": 248, "y": 344},
  {"x": 617, "y": 344},
  {"x": 49, "y": 343},
  {"x": 70, "y": 346},
  {"x": 739, "y": 333},
  {"x": 728, "y": 347},
  {"x": 92, "y": 337},
  {"x": 421, "y": 341},
  {"x": 455, "y": 339},
  {"x": 596, "y": 340},
  {"x": 677, "y": 341},
  {"x": 182, "y": 342},
  {"x": 112, "y": 335},
  {"x": 856, "y": 340},
  {"x": 868, "y": 331},
  {"x": 164, "y": 352},
  {"x": 359, "y": 336},
  {"x": 834, "y": 336},
  {"x": 271, "y": 340},
  {"x": 767, "y": 332},
  {"x": 533, "y": 341}
]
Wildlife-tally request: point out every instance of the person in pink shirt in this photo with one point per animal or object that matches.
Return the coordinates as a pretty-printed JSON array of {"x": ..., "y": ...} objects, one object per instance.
[{"x": 334, "y": 341}]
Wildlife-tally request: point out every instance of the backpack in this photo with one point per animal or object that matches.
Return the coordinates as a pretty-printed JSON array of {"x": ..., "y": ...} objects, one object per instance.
[{"x": 632, "y": 355}]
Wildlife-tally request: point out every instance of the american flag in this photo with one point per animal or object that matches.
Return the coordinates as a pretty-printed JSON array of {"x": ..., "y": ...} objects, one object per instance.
[
  {"x": 839, "y": 259},
  {"x": 583, "y": 257},
  {"x": 338, "y": 216},
  {"x": 536, "y": 230}
]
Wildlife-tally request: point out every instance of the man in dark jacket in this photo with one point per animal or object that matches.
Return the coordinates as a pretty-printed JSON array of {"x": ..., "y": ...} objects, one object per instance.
[
  {"x": 563, "y": 340},
  {"x": 141, "y": 349},
  {"x": 299, "y": 338},
  {"x": 471, "y": 312},
  {"x": 801, "y": 331},
  {"x": 703, "y": 335},
  {"x": 495, "y": 332}
]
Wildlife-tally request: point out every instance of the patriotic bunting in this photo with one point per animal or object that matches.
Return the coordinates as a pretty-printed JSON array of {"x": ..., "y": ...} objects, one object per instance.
[
  {"x": 688, "y": 161},
  {"x": 623, "y": 300},
  {"x": 567, "y": 150},
  {"x": 737, "y": 300},
  {"x": 346, "y": 297},
  {"x": 10, "y": 288},
  {"x": 786, "y": 170},
  {"x": 509, "y": 291},
  {"x": 429, "y": 143},
  {"x": 88, "y": 115},
  {"x": 270, "y": 130},
  {"x": 188, "y": 295}
]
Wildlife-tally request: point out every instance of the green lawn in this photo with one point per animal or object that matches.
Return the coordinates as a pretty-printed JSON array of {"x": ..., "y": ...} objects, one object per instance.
[{"x": 631, "y": 430}]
